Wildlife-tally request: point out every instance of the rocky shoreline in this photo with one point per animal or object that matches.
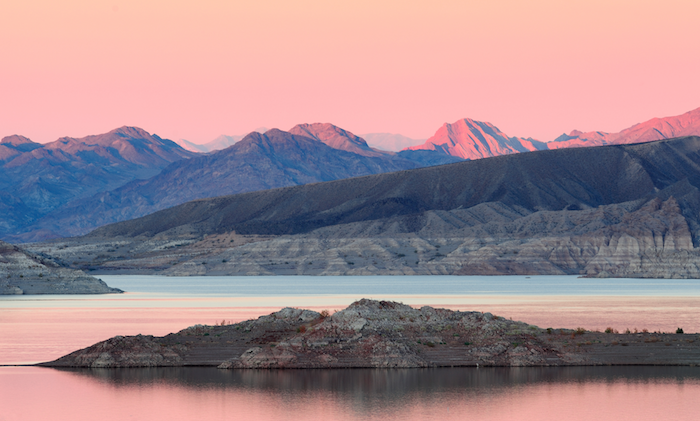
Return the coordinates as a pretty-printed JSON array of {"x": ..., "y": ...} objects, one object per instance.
[
  {"x": 384, "y": 334},
  {"x": 24, "y": 273}
]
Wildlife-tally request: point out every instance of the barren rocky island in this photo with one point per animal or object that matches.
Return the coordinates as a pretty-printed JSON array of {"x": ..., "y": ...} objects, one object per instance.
[{"x": 385, "y": 334}]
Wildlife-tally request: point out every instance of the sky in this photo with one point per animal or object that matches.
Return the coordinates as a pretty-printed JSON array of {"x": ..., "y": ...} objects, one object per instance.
[{"x": 196, "y": 70}]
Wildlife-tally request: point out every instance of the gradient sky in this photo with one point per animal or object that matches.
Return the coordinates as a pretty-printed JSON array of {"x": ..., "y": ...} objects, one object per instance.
[{"x": 195, "y": 70}]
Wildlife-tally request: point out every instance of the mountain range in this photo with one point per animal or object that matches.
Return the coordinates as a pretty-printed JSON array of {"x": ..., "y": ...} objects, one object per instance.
[
  {"x": 470, "y": 139},
  {"x": 569, "y": 179},
  {"x": 616, "y": 210},
  {"x": 71, "y": 186},
  {"x": 391, "y": 142},
  {"x": 317, "y": 152},
  {"x": 36, "y": 179}
]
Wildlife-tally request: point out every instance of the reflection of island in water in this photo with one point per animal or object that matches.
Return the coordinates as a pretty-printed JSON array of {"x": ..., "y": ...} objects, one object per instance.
[
  {"x": 388, "y": 383},
  {"x": 530, "y": 393}
]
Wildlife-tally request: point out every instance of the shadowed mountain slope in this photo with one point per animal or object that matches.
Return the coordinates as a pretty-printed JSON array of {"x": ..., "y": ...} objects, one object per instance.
[
  {"x": 36, "y": 179},
  {"x": 11, "y": 146},
  {"x": 258, "y": 162},
  {"x": 579, "y": 178}
]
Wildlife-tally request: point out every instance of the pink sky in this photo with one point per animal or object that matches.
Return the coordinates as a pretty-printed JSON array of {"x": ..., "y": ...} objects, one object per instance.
[{"x": 196, "y": 70}]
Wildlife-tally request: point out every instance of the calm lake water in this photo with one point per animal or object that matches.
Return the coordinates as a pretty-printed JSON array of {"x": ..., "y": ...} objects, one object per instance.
[
  {"x": 42, "y": 328},
  {"x": 579, "y": 393}
]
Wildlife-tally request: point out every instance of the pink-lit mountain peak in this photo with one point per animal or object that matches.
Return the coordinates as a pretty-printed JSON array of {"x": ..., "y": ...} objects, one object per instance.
[
  {"x": 132, "y": 143},
  {"x": 110, "y": 138},
  {"x": 15, "y": 140},
  {"x": 12, "y": 146},
  {"x": 662, "y": 128},
  {"x": 687, "y": 124},
  {"x": 471, "y": 139},
  {"x": 336, "y": 138}
]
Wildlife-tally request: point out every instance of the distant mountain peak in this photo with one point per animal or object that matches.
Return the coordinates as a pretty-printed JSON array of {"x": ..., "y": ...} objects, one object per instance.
[
  {"x": 335, "y": 137},
  {"x": 687, "y": 124},
  {"x": 390, "y": 141},
  {"x": 472, "y": 139},
  {"x": 16, "y": 140},
  {"x": 132, "y": 132}
]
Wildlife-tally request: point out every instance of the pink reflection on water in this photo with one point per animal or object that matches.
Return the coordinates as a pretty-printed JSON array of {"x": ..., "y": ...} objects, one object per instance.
[
  {"x": 31, "y": 335},
  {"x": 597, "y": 313},
  {"x": 28, "y": 393}
]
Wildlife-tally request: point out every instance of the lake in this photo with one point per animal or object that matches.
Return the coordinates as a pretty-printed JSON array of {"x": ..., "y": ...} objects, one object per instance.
[
  {"x": 574, "y": 393},
  {"x": 42, "y": 328}
]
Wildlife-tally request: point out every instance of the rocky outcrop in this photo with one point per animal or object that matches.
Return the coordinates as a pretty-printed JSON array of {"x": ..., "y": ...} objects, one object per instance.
[
  {"x": 25, "y": 273},
  {"x": 383, "y": 334}
]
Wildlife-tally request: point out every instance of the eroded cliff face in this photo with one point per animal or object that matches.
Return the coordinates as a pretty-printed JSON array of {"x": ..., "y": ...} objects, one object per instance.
[
  {"x": 648, "y": 239},
  {"x": 383, "y": 334},
  {"x": 24, "y": 273}
]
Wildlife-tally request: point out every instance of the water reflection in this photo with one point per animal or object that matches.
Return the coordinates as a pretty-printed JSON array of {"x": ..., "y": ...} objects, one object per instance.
[
  {"x": 395, "y": 382},
  {"x": 574, "y": 393}
]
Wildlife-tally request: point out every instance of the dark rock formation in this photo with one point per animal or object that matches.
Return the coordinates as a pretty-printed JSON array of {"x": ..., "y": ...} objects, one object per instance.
[{"x": 384, "y": 334}]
